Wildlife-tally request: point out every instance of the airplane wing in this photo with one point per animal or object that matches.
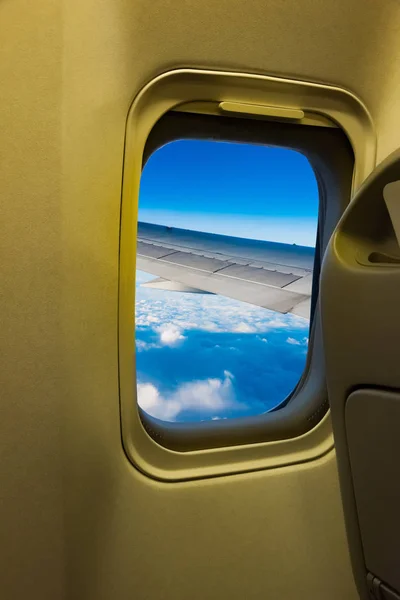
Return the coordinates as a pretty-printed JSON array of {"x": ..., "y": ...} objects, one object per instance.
[{"x": 268, "y": 274}]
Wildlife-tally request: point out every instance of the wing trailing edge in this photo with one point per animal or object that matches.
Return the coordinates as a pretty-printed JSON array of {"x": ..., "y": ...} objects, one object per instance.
[{"x": 274, "y": 276}]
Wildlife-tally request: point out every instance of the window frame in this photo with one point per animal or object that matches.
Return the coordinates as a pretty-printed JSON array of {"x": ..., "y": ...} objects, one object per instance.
[
  {"x": 174, "y": 126},
  {"x": 300, "y": 430}
]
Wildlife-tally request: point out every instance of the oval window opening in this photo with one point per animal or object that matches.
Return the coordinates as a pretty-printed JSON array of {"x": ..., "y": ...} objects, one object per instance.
[{"x": 226, "y": 240}]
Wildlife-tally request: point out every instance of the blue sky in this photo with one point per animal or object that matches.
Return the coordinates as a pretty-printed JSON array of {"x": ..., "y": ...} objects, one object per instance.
[
  {"x": 202, "y": 357},
  {"x": 242, "y": 190}
]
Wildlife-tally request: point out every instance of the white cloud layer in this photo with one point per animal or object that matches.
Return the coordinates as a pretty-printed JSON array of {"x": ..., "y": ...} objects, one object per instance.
[
  {"x": 204, "y": 396},
  {"x": 166, "y": 319},
  {"x": 142, "y": 346},
  {"x": 295, "y": 342},
  {"x": 170, "y": 334},
  {"x": 172, "y": 314}
]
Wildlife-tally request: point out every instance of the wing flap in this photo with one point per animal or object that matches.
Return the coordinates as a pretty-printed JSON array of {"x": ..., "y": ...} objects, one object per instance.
[
  {"x": 172, "y": 286},
  {"x": 259, "y": 275},
  {"x": 153, "y": 250},
  {"x": 197, "y": 261},
  {"x": 275, "y": 276},
  {"x": 273, "y": 298}
]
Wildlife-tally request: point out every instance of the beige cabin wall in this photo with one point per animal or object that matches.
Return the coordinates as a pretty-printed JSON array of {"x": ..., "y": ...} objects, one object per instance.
[{"x": 78, "y": 521}]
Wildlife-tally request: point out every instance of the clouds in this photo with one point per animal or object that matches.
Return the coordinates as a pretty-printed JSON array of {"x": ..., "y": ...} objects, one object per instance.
[
  {"x": 205, "y": 397},
  {"x": 244, "y": 328},
  {"x": 205, "y": 357},
  {"x": 297, "y": 342},
  {"x": 170, "y": 334},
  {"x": 142, "y": 346},
  {"x": 156, "y": 308}
]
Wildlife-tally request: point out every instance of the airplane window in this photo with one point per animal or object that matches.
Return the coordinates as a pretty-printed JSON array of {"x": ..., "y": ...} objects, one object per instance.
[{"x": 226, "y": 240}]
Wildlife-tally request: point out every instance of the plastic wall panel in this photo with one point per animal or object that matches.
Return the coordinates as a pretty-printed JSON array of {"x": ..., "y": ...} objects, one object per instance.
[
  {"x": 372, "y": 428},
  {"x": 32, "y": 378},
  {"x": 61, "y": 156},
  {"x": 360, "y": 301}
]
